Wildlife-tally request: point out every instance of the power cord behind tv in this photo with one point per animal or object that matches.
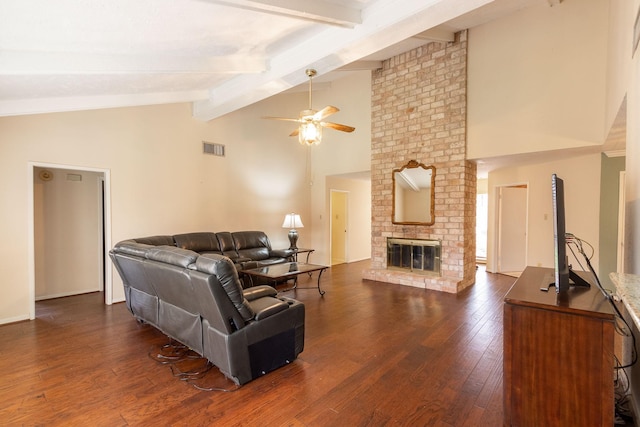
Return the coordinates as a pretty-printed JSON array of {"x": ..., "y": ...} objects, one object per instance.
[
  {"x": 622, "y": 403},
  {"x": 608, "y": 294}
]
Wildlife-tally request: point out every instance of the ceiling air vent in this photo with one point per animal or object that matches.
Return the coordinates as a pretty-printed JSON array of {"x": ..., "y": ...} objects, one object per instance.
[{"x": 211, "y": 148}]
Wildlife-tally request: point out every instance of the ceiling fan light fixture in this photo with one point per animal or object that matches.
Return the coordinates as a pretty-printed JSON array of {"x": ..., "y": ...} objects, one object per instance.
[{"x": 310, "y": 133}]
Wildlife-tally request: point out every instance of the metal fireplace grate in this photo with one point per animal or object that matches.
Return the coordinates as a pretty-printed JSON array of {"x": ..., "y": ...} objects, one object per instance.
[{"x": 418, "y": 256}]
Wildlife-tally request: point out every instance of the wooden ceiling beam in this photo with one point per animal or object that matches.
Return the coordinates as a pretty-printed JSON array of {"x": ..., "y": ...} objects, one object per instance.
[
  {"x": 311, "y": 10},
  {"x": 63, "y": 63}
]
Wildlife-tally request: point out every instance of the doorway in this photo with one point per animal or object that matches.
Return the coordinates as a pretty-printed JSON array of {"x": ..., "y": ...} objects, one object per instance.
[
  {"x": 512, "y": 228},
  {"x": 69, "y": 232},
  {"x": 338, "y": 225}
]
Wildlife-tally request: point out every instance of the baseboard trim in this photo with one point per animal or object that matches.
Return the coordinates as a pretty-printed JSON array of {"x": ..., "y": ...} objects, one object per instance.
[
  {"x": 13, "y": 319},
  {"x": 66, "y": 294},
  {"x": 357, "y": 260}
]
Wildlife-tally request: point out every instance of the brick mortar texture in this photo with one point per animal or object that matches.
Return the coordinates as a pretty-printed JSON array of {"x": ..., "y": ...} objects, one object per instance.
[{"x": 419, "y": 113}]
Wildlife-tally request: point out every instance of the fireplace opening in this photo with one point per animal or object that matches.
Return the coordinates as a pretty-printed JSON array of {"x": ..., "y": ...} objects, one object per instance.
[{"x": 417, "y": 256}]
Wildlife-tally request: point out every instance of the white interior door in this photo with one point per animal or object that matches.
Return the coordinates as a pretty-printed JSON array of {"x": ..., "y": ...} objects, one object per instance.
[
  {"x": 338, "y": 227},
  {"x": 512, "y": 228}
]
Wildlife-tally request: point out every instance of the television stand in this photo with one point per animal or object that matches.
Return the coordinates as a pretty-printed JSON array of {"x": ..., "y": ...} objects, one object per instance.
[
  {"x": 574, "y": 280},
  {"x": 558, "y": 356}
]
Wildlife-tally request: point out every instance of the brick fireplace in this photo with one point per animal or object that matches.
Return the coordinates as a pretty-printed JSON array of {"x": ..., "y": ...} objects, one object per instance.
[{"x": 419, "y": 113}]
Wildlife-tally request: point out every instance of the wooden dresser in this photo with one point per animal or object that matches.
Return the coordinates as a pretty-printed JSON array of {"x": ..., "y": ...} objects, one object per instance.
[{"x": 558, "y": 355}]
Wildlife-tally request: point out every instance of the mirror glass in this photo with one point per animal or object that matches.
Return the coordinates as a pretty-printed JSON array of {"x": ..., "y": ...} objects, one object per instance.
[{"x": 413, "y": 194}]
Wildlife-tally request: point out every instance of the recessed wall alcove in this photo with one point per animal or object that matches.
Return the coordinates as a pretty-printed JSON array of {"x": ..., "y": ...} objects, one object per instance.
[{"x": 419, "y": 113}]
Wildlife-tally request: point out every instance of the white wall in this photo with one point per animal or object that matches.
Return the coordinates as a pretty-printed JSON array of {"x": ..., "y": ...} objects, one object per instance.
[
  {"x": 305, "y": 168},
  {"x": 266, "y": 179},
  {"x": 536, "y": 79},
  {"x": 632, "y": 209},
  {"x": 619, "y": 68},
  {"x": 581, "y": 177},
  {"x": 340, "y": 152}
]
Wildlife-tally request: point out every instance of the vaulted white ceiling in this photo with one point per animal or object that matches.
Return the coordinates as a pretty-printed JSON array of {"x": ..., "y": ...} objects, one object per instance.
[{"x": 221, "y": 55}]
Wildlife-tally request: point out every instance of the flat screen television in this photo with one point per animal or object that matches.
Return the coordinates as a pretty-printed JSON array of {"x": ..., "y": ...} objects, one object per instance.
[
  {"x": 559, "y": 240},
  {"x": 564, "y": 276}
]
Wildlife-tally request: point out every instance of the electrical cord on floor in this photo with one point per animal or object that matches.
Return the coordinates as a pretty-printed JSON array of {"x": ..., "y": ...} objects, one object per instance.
[
  {"x": 622, "y": 405},
  {"x": 169, "y": 353},
  {"x": 176, "y": 354},
  {"x": 195, "y": 373},
  {"x": 226, "y": 390}
]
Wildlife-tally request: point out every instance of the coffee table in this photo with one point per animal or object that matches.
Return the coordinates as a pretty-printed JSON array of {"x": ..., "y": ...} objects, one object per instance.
[{"x": 285, "y": 271}]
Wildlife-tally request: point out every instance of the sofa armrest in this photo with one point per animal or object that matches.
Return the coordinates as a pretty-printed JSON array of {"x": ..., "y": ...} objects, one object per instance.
[
  {"x": 282, "y": 253},
  {"x": 247, "y": 265},
  {"x": 267, "y": 306},
  {"x": 259, "y": 291}
]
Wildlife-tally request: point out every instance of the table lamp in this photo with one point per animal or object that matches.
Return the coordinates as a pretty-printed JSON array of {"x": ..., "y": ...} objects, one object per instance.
[{"x": 292, "y": 221}]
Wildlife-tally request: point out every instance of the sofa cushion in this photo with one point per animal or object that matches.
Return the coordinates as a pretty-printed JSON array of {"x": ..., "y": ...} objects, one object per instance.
[
  {"x": 198, "y": 242},
  {"x": 252, "y": 244},
  {"x": 172, "y": 255},
  {"x": 227, "y": 245},
  {"x": 227, "y": 275}
]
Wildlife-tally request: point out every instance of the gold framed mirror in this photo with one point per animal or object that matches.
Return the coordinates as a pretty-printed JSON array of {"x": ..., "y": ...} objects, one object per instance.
[{"x": 414, "y": 194}]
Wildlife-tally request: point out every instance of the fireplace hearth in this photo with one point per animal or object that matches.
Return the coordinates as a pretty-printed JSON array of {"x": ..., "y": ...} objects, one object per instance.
[{"x": 414, "y": 255}]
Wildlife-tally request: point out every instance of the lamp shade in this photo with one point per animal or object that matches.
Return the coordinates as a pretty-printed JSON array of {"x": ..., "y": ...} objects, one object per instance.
[
  {"x": 292, "y": 221},
  {"x": 310, "y": 133}
]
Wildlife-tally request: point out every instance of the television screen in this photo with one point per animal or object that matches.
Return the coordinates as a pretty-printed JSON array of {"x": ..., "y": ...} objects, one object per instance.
[
  {"x": 559, "y": 242},
  {"x": 564, "y": 276}
]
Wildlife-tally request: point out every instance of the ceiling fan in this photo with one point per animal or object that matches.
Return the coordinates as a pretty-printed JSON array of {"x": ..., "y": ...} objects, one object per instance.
[{"x": 311, "y": 121}]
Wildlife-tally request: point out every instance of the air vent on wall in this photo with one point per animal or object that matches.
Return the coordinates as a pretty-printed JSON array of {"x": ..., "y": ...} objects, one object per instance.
[{"x": 211, "y": 148}]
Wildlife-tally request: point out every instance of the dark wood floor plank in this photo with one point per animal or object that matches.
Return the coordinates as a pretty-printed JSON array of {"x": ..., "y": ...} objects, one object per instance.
[{"x": 375, "y": 354}]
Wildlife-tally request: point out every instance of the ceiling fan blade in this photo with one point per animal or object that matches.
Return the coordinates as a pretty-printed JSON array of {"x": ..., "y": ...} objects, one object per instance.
[
  {"x": 282, "y": 118},
  {"x": 337, "y": 126},
  {"x": 325, "y": 112},
  {"x": 295, "y": 132}
]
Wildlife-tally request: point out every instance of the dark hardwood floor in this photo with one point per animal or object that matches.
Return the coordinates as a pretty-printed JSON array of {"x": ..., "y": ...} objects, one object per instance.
[{"x": 375, "y": 354}]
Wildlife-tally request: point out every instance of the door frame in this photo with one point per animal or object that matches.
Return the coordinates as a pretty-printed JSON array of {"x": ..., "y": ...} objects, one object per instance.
[{"x": 106, "y": 215}]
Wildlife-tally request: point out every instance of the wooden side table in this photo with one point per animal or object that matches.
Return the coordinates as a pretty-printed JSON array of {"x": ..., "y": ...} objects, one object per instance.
[{"x": 302, "y": 251}]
